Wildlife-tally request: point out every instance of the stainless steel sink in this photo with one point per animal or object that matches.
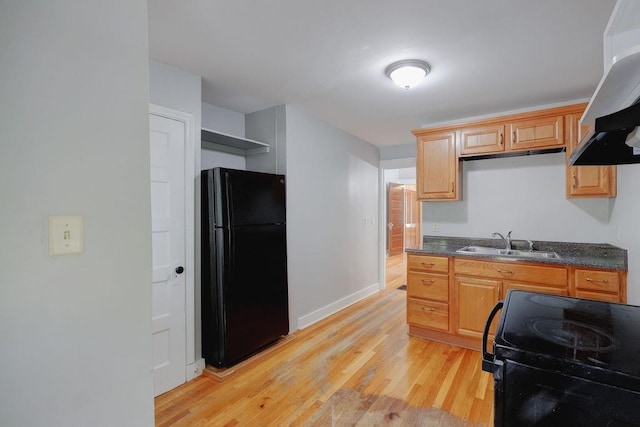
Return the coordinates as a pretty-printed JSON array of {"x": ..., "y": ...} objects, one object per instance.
[{"x": 482, "y": 250}]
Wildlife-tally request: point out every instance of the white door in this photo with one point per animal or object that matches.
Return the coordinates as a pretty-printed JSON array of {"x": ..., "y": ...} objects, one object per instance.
[{"x": 168, "y": 240}]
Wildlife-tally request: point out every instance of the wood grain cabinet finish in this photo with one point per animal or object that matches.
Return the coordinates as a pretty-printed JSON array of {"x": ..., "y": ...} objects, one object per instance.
[
  {"x": 481, "y": 139},
  {"x": 475, "y": 299},
  {"x": 440, "y": 148},
  {"x": 605, "y": 285},
  {"x": 450, "y": 298},
  {"x": 428, "y": 314},
  {"x": 437, "y": 167},
  {"x": 586, "y": 181},
  {"x": 537, "y": 133},
  {"x": 427, "y": 263},
  {"x": 428, "y": 292}
]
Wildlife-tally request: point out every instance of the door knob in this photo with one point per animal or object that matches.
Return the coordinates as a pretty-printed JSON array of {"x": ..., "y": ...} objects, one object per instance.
[{"x": 179, "y": 270}]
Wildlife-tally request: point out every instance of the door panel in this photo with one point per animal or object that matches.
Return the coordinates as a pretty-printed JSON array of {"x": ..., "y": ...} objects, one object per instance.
[
  {"x": 167, "y": 144},
  {"x": 413, "y": 218},
  {"x": 395, "y": 222}
]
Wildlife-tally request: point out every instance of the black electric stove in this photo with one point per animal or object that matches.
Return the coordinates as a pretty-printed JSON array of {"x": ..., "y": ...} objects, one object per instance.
[{"x": 565, "y": 361}]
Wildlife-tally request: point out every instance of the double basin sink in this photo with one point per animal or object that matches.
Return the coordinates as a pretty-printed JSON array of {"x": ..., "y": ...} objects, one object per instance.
[{"x": 514, "y": 253}]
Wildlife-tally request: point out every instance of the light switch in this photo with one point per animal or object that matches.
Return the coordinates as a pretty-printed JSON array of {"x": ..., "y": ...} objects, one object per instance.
[{"x": 65, "y": 235}]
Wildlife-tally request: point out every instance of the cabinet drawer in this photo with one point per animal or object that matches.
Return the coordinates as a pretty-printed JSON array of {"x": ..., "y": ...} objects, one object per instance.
[
  {"x": 428, "y": 263},
  {"x": 549, "y": 276},
  {"x": 428, "y": 286},
  {"x": 598, "y": 296},
  {"x": 428, "y": 314},
  {"x": 603, "y": 281}
]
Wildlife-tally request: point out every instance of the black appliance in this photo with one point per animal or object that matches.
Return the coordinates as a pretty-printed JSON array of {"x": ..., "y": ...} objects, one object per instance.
[
  {"x": 606, "y": 143},
  {"x": 561, "y": 361},
  {"x": 244, "y": 264}
]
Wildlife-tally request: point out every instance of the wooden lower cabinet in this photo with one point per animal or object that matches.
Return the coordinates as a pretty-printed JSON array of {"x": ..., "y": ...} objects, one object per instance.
[
  {"x": 475, "y": 299},
  {"x": 428, "y": 314},
  {"x": 533, "y": 287},
  {"x": 450, "y": 298},
  {"x": 604, "y": 285}
]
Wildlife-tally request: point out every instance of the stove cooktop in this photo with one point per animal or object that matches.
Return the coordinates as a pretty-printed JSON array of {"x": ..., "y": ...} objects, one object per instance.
[{"x": 578, "y": 331}]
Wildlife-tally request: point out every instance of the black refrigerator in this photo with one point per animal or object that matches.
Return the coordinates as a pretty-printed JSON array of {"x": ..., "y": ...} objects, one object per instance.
[{"x": 244, "y": 264}]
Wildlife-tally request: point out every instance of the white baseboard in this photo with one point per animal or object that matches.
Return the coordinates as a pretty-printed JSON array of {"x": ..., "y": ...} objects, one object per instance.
[
  {"x": 334, "y": 307},
  {"x": 194, "y": 370}
]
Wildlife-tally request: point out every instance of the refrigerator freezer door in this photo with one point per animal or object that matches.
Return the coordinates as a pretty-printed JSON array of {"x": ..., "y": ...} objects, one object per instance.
[{"x": 248, "y": 198}]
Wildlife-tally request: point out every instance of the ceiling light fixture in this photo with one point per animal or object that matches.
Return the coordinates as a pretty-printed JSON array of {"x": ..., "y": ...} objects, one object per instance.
[{"x": 407, "y": 73}]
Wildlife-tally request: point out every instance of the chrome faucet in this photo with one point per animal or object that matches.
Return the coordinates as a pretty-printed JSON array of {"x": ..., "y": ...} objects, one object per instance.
[{"x": 507, "y": 240}]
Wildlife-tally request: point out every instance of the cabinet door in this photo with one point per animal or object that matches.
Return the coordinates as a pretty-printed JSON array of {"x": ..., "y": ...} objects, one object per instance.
[
  {"x": 586, "y": 181},
  {"x": 482, "y": 140},
  {"x": 476, "y": 298},
  {"x": 545, "y": 132},
  {"x": 437, "y": 167}
]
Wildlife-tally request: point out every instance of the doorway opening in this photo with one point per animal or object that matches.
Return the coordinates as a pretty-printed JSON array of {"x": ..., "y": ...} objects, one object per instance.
[{"x": 403, "y": 219}]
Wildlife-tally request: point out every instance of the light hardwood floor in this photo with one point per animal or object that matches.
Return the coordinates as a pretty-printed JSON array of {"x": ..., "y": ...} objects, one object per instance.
[{"x": 358, "y": 367}]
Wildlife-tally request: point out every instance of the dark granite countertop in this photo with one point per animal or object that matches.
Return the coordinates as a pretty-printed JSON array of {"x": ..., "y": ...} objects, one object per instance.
[{"x": 596, "y": 255}]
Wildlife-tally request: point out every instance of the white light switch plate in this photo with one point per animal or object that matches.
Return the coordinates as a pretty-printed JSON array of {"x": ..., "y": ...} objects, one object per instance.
[{"x": 65, "y": 235}]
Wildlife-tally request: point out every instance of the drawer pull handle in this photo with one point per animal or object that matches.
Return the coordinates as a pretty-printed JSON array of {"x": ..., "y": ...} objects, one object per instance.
[
  {"x": 501, "y": 139},
  {"x": 515, "y": 137},
  {"x": 428, "y": 309},
  {"x": 603, "y": 281},
  {"x": 427, "y": 281},
  {"x": 425, "y": 264},
  {"x": 505, "y": 271}
]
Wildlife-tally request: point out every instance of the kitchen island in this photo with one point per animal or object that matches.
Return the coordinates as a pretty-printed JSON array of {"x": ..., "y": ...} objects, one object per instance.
[{"x": 450, "y": 294}]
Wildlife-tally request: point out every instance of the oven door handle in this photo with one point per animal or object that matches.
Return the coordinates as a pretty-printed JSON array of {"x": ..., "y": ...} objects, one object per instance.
[{"x": 488, "y": 358}]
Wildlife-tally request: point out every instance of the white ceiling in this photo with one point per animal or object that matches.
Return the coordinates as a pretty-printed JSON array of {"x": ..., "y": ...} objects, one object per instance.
[{"x": 328, "y": 56}]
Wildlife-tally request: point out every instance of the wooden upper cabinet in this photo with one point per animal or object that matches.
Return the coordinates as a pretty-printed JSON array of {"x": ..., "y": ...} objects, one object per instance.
[
  {"x": 544, "y": 132},
  {"x": 586, "y": 181},
  {"x": 481, "y": 139},
  {"x": 437, "y": 167}
]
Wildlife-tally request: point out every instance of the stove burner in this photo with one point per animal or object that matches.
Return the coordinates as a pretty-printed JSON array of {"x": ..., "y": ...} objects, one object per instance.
[
  {"x": 573, "y": 335},
  {"x": 551, "y": 301}
]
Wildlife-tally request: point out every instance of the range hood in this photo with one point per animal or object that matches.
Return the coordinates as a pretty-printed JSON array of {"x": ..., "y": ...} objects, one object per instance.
[{"x": 609, "y": 141}]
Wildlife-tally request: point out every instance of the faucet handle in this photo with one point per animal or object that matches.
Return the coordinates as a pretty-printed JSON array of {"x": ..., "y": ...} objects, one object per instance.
[
  {"x": 530, "y": 245},
  {"x": 509, "y": 234}
]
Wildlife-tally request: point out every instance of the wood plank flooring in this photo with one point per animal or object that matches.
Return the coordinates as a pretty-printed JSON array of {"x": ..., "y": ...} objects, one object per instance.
[
  {"x": 358, "y": 367},
  {"x": 396, "y": 270}
]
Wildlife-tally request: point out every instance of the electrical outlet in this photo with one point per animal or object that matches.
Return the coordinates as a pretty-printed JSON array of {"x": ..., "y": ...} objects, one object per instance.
[{"x": 435, "y": 227}]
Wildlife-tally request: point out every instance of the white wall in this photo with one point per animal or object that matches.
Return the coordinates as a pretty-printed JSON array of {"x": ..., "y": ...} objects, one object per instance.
[
  {"x": 226, "y": 121},
  {"x": 180, "y": 90},
  {"x": 624, "y": 230},
  {"x": 524, "y": 194},
  {"x": 222, "y": 120},
  {"x": 332, "y": 216},
  {"x": 268, "y": 126},
  {"x": 75, "y": 331},
  {"x": 210, "y": 159}
]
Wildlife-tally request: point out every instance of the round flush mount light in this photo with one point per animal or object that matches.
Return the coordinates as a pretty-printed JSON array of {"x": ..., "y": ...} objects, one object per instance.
[{"x": 407, "y": 73}]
